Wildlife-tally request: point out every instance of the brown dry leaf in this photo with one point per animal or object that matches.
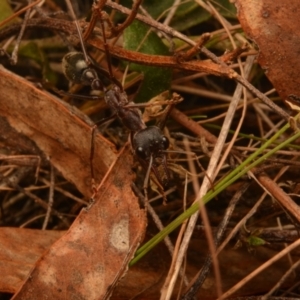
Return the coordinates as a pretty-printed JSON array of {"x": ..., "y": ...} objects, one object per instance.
[
  {"x": 94, "y": 253},
  {"x": 274, "y": 27},
  {"x": 88, "y": 261},
  {"x": 58, "y": 129},
  {"x": 19, "y": 251},
  {"x": 23, "y": 247}
]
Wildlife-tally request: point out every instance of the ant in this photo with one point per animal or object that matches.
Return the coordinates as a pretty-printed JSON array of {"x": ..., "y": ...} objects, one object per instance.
[{"x": 148, "y": 144}]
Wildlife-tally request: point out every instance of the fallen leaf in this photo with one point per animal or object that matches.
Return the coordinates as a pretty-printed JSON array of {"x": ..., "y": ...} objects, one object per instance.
[
  {"x": 274, "y": 27},
  {"x": 19, "y": 251},
  {"x": 61, "y": 131},
  {"x": 88, "y": 261}
]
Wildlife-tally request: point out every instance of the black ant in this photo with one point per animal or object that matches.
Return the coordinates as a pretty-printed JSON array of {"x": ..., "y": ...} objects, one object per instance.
[{"x": 149, "y": 144}]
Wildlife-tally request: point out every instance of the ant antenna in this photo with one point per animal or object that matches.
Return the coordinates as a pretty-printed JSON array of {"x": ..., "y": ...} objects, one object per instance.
[
  {"x": 71, "y": 11},
  {"x": 108, "y": 57}
]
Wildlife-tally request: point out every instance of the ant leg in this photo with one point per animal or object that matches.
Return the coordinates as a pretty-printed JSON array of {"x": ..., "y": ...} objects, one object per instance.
[
  {"x": 146, "y": 182},
  {"x": 146, "y": 179},
  {"x": 150, "y": 104},
  {"x": 48, "y": 86},
  {"x": 92, "y": 153},
  {"x": 92, "y": 157},
  {"x": 80, "y": 97}
]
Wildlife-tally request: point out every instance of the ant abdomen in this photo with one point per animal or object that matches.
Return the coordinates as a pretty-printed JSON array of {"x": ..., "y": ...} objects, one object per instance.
[{"x": 78, "y": 70}]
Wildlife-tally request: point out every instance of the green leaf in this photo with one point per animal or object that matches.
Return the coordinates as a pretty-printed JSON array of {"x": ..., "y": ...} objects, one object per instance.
[
  {"x": 189, "y": 14},
  {"x": 157, "y": 7},
  {"x": 6, "y": 11},
  {"x": 33, "y": 51},
  {"x": 226, "y": 8},
  {"x": 255, "y": 241},
  {"x": 137, "y": 37}
]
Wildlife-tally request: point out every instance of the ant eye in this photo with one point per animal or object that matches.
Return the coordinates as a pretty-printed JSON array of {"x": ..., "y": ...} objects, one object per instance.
[
  {"x": 140, "y": 152},
  {"x": 165, "y": 142}
]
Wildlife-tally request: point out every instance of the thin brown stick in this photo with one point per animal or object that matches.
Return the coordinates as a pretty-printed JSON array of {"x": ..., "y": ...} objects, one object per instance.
[
  {"x": 261, "y": 268},
  {"x": 209, "y": 54},
  {"x": 51, "y": 198},
  {"x": 7, "y": 20},
  {"x": 280, "y": 196},
  {"x": 193, "y": 126},
  {"x": 217, "y": 69}
]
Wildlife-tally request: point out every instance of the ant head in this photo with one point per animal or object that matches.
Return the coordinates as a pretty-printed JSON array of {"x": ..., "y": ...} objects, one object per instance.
[
  {"x": 150, "y": 141},
  {"x": 78, "y": 70},
  {"x": 149, "y": 145}
]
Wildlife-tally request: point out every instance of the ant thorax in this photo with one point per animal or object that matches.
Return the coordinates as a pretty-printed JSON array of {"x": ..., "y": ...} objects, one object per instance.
[{"x": 131, "y": 117}]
